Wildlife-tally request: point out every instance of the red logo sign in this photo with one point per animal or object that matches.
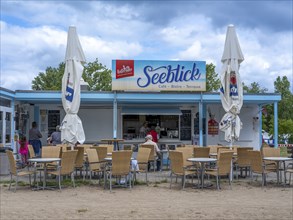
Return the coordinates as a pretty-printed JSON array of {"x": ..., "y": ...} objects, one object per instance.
[{"x": 124, "y": 68}]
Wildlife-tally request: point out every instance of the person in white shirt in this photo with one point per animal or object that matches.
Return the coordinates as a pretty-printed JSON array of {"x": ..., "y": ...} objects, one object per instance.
[{"x": 149, "y": 141}]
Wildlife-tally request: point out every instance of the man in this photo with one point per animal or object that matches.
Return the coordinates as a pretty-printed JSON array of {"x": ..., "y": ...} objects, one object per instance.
[{"x": 157, "y": 153}]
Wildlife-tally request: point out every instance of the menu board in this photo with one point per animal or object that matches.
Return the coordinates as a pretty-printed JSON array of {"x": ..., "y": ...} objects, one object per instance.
[{"x": 185, "y": 125}]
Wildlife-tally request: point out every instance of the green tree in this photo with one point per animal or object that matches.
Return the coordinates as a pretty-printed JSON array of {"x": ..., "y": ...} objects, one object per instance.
[
  {"x": 254, "y": 88},
  {"x": 282, "y": 86},
  {"x": 95, "y": 74},
  {"x": 50, "y": 80},
  {"x": 213, "y": 81}
]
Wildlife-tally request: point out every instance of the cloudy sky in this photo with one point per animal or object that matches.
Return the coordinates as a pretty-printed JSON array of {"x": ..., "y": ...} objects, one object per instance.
[{"x": 34, "y": 34}]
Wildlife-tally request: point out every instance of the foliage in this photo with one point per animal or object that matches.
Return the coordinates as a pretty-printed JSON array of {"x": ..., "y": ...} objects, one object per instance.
[
  {"x": 282, "y": 86},
  {"x": 213, "y": 81},
  {"x": 95, "y": 74},
  {"x": 50, "y": 80},
  {"x": 254, "y": 88}
]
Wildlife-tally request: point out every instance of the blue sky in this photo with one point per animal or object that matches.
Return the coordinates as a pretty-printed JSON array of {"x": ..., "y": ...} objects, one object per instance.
[{"x": 34, "y": 34}]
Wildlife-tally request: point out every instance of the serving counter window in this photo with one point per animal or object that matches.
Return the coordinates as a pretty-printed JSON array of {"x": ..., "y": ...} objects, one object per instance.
[{"x": 134, "y": 126}]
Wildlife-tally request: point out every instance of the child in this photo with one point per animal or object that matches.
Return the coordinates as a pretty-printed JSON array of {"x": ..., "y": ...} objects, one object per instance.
[{"x": 23, "y": 150}]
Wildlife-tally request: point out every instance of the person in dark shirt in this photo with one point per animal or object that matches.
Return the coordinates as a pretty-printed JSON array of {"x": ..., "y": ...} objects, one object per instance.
[
  {"x": 55, "y": 137},
  {"x": 34, "y": 138}
]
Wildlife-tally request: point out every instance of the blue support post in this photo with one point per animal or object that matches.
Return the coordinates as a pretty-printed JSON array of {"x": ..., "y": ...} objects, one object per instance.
[
  {"x": 200, "y": 110},
  {"x": 276, "y": 124},
  {"x": 116, "y": 146},
  {"x": 37, "y": 114},
  {"x": 12, "y": 126},
  {"x": 260, "y": 125}
]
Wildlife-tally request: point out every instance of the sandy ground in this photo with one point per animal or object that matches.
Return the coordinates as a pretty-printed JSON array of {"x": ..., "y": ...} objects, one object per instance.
[{"x": 156, "y": 201}]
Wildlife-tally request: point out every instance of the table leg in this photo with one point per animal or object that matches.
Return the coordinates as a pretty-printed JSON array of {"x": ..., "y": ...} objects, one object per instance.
[
  {"x": 202, "y": 174},
  {"x": 278, "y": 175},
  {"x": 45, "y": 173},
  {"x": 284, "y": 173}
]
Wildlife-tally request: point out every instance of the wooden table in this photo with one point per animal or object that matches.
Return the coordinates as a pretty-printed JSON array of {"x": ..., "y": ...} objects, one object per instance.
[{"x": 114, "y": 141}]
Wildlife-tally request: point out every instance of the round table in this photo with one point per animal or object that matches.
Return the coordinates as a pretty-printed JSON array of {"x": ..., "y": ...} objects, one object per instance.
[
  {"x": 202, "y": 161},
  {"x": 44, "y": 161},
  {"x": 278, "y": 160}
]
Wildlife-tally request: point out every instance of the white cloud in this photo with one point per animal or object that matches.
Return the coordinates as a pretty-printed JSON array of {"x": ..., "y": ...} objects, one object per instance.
[{"x": 35, "y": 37}]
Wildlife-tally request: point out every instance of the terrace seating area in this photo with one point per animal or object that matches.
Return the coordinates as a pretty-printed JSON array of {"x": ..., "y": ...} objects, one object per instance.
[{"x": 209, "y": 166}]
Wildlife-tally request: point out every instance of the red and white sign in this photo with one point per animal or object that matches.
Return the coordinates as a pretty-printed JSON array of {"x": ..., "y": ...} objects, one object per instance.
[{"x": 124, "y": 68}]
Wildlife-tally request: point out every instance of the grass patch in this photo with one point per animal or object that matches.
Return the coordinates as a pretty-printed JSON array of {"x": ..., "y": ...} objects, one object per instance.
[
  {"x": 82, "y": 210},
  {"x": 6, "y": 181}
]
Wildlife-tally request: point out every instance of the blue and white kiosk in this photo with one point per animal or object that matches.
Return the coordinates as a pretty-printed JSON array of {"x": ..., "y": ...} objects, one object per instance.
[{"x": 170, "y": 94}]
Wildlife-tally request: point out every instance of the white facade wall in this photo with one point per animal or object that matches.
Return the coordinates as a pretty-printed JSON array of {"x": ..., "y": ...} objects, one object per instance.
[{"x": 98, "y": 123}]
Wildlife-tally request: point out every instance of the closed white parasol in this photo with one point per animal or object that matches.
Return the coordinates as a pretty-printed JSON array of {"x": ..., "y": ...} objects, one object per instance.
[
  {"x": 71, "y": 128},
  {"x": 232, "y": 89}
]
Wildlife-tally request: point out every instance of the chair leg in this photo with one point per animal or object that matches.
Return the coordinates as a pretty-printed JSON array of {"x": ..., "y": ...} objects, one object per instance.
[
  {"x": 72, "y": 179},
  {"x": 59, "y": 181},
  {"x": 183, "y": 186},
  {"x": 217, "y": 179},
  {"x": 10, "y": 181},
  {"x": 170, "y": 180},
  {"x": 29, "y": 176},
  {"x": 130, "y": 179},
  {"x": 16, "y": 184},
  {"x": 110, "y": 182}
]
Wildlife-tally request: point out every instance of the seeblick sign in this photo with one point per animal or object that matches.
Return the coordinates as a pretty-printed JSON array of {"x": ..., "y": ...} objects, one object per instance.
[{"x": 150, "y": 75}]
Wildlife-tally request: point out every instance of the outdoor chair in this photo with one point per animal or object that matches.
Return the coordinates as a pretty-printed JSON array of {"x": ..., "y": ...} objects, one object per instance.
[
  {"x": 120, "y": 167},
  {"x": 178, "y": 168},
  {"x": 289, "y": 169},
  {"x": 271, "y": 152},
  {"x": 128, "y": 147},
  {"x": 31, "y": 151},
  {"x": 187, "y": 152},
  {"x": 258, "y": 166},
  {"x": 94, "y": 163},
  {"x": 222, "y": 168},
  {"x": 152, "y": 158},
  {"x": 142, "y": 158},
  {"x": 51, "y": 152},
  {"x": 201, "y": 152},
  {"x": 14, "y": 171},
  {"x": 66, "y": 167},
  {"x": 79, "y": 162},
  {"x": 102, "y": 152},
  {"x": 214, "y": 148},
  {"x": 110, "y": 147},
  {"x": 243, "y": 160}
]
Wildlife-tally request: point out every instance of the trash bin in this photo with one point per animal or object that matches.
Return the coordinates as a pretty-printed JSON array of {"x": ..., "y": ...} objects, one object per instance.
[{"x": 4, "y": 163}]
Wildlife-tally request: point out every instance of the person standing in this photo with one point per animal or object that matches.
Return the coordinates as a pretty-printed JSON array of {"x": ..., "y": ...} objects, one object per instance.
[
  {"x": 154, "y": 134},
  {"x": 34, "y": 138},
  {"x": 23, "y": 150},
  {"x": 143, "y": 130}
]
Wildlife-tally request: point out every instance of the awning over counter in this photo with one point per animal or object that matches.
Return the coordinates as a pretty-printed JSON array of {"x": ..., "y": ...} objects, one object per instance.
[{"x": 151, "y": 111}]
